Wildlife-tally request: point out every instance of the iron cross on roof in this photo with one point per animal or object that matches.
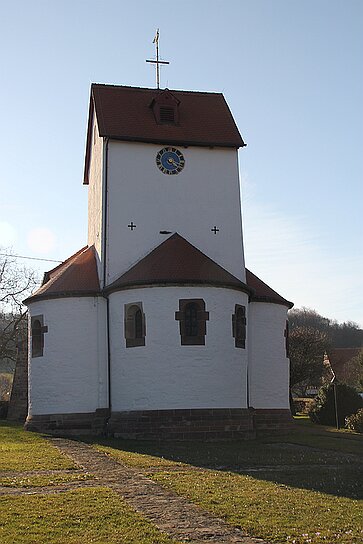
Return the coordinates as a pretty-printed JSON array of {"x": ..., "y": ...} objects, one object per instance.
[{"x": 157, "y": 61}]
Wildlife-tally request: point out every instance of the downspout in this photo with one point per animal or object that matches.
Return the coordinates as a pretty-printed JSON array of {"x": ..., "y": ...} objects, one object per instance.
[
  {"x": 248, "y": 328},
  {"x": 248, "y": 382},
  {"x": 104, "y": 278},
  {"x": 108, "y": 355},
  {"x": 248, "y": 392}
]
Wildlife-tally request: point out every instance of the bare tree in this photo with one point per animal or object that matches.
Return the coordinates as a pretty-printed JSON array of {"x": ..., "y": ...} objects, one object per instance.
[
  {"x": 307, "y": 346},
  {"x": 341, "y": 335},
  {"x": 16, "y": 283},
  {"x": 352, "y": 372}
]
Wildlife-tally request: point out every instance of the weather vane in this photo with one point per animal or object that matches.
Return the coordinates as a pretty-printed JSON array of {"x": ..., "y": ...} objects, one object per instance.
[{"x": 157, "y": 61}]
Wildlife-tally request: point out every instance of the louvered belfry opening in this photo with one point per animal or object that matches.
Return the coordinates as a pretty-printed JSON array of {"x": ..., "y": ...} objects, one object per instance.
[
  {"x": 165, "y": 107},
  {"x": 167, "y": 115}
]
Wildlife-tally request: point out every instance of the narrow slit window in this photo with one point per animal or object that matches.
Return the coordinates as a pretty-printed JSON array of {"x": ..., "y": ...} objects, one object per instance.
[
  {"x": 286, "y": 334},
  {"x": 239, "y": 322},
  {"x": 191, "y": 319},
  {"x": 134, "y": 323},
  {"x": 37, "y": 335}
]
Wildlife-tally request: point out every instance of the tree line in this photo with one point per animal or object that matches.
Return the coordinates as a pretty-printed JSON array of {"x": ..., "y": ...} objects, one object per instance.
[{"x": 311, "y": 335}]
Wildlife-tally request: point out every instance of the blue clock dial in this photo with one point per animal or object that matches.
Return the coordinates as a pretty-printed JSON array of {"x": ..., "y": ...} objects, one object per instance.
[{"x": 170, "y": 160}]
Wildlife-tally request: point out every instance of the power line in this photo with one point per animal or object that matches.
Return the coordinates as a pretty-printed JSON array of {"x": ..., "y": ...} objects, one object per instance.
[{"x": 30, "y": 258}]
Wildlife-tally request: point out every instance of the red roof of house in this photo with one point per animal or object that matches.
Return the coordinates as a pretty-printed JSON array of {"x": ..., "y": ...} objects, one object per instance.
[
  {"x": 339, "y": 357},
  {"x": 125, "y": 113},
  {"x": 77, "y": 276},
  {"x": 177, "y": 261},
  {"x": 264, "y": 293},
  {"x": 174, "y": 261}
]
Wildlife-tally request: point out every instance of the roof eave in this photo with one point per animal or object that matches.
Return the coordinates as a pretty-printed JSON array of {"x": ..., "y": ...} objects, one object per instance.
[
  {"x": 137, "y": 284},
  {"x": 62, "y": 294},
  {"x": 171, "y": 141},
  {"x": 272, "y": 300},
  {"x": 87, "y": 157}
]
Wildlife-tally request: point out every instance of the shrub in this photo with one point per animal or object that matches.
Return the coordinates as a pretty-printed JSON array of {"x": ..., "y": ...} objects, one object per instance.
[
  {"x": 302, "y": 405},
  {"x": 323, "y": 409},
  {"x": 355, "y": 422}
]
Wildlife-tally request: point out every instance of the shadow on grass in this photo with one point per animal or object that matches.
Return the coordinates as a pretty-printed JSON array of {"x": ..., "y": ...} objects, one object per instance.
[{"x": 282, "y": 462}]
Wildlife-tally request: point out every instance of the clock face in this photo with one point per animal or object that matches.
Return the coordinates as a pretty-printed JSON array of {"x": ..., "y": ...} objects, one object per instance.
[{"x": 170, "y": 160}]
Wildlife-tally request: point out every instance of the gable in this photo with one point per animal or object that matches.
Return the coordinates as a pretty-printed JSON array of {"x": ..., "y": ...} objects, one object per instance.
[
  {"x": 133, "y": 114},
  {"x": 176, "y": 261}
]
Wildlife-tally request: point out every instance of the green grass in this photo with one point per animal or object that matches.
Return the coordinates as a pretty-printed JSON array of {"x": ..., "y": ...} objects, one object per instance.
[
  {"x": 303, "y": 486},
  {"x": 326, "y": 438},
  {"x": 95, "y": 515},
  {"x": 44, "y": 480},
  {"x": 269, "y": 510},
  {"x": 23, "y": 451}
]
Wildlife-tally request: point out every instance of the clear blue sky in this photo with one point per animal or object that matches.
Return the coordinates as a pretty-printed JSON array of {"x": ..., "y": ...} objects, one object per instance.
[{"x": 292, "y": 73}]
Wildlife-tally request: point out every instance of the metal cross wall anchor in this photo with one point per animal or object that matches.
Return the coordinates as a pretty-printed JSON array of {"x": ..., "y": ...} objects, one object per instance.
[
  {"x": 214, "y": 229},
  {"x": 132, "y": 226}
]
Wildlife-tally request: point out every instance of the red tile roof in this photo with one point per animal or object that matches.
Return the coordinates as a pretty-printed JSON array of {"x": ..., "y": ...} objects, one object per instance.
[
  {"x": 77, "y": 276},
  {"x": 264, "y": 293},
  {"x": 174, "y": 261},
  {"x": 125, "y": 113},
  {"x": 177, "y": 261}
]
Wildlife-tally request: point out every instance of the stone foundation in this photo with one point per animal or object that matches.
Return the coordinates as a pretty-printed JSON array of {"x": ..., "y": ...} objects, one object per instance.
[
  {"x": 91, "y": 423},
  {"x": 270, "y": 421},
  {"x": 193, "y": 424}
]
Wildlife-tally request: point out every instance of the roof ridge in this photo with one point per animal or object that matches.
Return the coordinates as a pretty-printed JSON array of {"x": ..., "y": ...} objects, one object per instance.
[{"x": 153, "y": 89}]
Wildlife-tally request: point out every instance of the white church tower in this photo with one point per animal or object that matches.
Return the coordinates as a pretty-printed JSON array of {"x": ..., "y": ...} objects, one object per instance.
[{"x": 155, "y": 328}]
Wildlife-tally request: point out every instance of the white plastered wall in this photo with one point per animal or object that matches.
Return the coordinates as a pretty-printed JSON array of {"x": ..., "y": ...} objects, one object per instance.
[
  {"x": 95, "y": 194},
  {"x": 268, "y": 366},
  {"x": 165, "y": 375},
  {"x": 71, "y": 376},
  {"x": 205, "y": 194}
]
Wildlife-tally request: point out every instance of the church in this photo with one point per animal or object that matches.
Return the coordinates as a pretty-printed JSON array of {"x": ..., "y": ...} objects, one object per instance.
[{"x": 156, "y": 329}]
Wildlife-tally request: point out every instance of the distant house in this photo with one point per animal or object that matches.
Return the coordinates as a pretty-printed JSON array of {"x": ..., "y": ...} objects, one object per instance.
[{"x": 339, "y": 362}]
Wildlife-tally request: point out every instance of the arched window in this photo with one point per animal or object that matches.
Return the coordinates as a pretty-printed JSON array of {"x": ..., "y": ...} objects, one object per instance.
[
  {"x": 192, "y": 319},
  {"x": 37, "y": 335},
  {"x": 239, "y": 326},
  {"x": 135, "y": 330}
]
